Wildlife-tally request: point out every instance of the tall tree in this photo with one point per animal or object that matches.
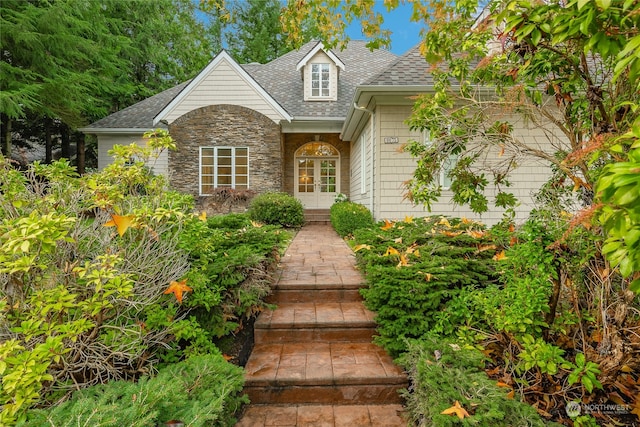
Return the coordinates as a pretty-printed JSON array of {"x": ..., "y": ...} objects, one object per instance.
[
  {"x": 70, "y": 62},
  {"x": 54, "y": 58},
  {"x": 256, "y": 34}
]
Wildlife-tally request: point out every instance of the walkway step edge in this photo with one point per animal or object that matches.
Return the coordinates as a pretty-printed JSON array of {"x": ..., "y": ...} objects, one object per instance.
[
  {"x": 333, "y": 415},
  {"x": 358, "y": 394}
]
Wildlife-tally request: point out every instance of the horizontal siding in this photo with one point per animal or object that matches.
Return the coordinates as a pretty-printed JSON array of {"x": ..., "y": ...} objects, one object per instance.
[
  {"x": 356, "y": 167},
  {"x": 394, "y": 167},
  {"x": 223, "y": 86},
  {"x": 159, "y": 166}
]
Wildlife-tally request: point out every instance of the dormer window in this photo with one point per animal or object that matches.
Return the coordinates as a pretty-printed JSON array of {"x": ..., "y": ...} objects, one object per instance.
[
  {"x": 320, "y": 80},
  {"x": 320, "y": 70}
]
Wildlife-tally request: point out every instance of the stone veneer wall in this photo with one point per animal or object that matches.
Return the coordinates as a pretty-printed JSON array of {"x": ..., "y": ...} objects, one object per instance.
[
  {"x": 226, "y": 126},
  {"x": 293, "y": 141}
]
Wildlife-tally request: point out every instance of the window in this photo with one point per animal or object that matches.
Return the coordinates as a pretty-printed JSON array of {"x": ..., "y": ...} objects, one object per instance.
[
  {"x": 363, "y": 165},
  {"x": 444, "y": 180},
  {"x": 320, "y": 80},
  {"x": 223, "y": 167}
]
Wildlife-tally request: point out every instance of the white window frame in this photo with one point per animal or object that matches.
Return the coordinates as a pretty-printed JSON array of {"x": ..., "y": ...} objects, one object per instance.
[
  {"x": 443, "y": 180},
  {"x": 216, "y": 165},
  {"x": 320, "y": 80},
  {"x": 363, "y": 164}
]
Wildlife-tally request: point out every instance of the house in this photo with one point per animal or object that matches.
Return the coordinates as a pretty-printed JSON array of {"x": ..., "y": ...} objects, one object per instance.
[{"x": 313, "y": 123}]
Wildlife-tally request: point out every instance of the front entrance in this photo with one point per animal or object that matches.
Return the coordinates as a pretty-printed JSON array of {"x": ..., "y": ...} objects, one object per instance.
[{"x": 317, "y": 175}]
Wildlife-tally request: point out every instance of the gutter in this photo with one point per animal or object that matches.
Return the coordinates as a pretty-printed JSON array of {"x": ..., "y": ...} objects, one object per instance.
[{"x": 135, "y": 131}]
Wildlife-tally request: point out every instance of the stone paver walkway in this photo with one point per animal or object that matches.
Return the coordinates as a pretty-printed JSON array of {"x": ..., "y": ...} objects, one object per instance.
[{"x": 313, "y": 363}]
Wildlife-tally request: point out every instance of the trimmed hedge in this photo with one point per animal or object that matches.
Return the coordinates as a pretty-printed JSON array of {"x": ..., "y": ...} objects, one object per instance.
[
  {"x": 347, "y": 217},
  {"x": 277, "y": 209}
]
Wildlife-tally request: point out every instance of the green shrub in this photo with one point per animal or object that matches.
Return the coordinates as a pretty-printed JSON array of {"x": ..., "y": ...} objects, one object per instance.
[
  {"x": 442, "y": 373},
  {"x": 277, "y": 209},
  {"x": 347, "y": 217},
  {"x": 200, "y": 391},
  {"x": 417, "y": 272},
  {"x": 234, "y": 221}
]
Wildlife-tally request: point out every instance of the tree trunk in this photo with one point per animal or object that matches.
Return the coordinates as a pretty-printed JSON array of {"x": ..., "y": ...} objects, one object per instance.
[
  {"x": 66, "y": 144},
  {"x": 48, "y": 147},
  {"x": 6, "y": 130},
  {"x": 80, "y": 143}
]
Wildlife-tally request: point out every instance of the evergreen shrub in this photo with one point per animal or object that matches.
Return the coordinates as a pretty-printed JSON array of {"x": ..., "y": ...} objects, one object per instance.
[
  {"x": 200, "y": 391},
  {"x": 277, "y": 209},
  {"x": 416, "y": 273},
  {"x": 346, "y": 217},
  {"x": 443, "y": 373}
]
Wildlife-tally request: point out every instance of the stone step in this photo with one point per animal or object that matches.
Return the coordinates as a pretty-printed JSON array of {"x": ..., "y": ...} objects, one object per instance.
[
  {"x": 323, "y": 415},
  {"x": 322, "y": 373},
  {"x": 315, "y": 321},
  {"x": 317, "y": 216},
  {"x": 326, "y": 292}
]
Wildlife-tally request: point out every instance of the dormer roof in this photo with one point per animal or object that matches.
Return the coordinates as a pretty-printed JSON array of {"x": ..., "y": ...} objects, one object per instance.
[{"x": 319, "y": 47}]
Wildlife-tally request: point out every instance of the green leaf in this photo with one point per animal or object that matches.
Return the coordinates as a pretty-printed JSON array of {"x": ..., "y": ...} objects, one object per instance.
[{"x": 587, "y": 383}]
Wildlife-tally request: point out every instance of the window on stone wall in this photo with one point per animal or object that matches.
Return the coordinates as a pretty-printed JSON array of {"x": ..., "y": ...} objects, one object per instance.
[{"x": 223, "y": 167}]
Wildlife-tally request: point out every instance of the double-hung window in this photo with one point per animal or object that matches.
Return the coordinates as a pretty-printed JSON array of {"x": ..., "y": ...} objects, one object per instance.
[
  {"x": 444, "y": 180},
  {"x": 223, "y": 167},
  {"x": 320, "y": 80}
]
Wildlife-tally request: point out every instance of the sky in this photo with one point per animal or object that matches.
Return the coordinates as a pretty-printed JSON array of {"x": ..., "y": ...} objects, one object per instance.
[{"x": 404, "y": 33}]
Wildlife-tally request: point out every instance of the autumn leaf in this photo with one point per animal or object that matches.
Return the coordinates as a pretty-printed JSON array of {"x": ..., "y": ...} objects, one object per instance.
[
  {"x": 475, "y": 234},
  {"x": 499, "y": 256},
  {"x": 398, "y": 240},
  {"x": 444, "y": 221},
  {"x": 403, "y": 261},
  {"x": 428, "y": 277},
  {"x": 360, "y": 247},
  {"x": 451, "y": 233},
  {"x": 256, "y": 224},
  {"x": 178, "y": 288},
  {"x": 121, "y": 222},
  {"x": 203, "y": 216},
  {"x": 391, "y": 251},
  {"x": 501, "y": 153},
  {"x": 387, "y": 225},
  {"x": 408, "y": 219},
  {"x": 456, "y": 409},
  {"x": 413, "y": 248}
]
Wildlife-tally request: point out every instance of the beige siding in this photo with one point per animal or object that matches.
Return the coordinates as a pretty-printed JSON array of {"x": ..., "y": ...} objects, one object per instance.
[
  {"x": 394, "y": 167},
  {"x": 360, "y": 146},
  {"x": 106, "y": 143},
  {"x": 364, "y": 137},
  {"x": 223, "y": 85}
]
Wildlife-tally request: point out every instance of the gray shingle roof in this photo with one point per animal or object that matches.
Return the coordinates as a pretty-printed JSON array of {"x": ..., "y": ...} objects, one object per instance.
[
  {"x": 281, "y": 80},
  {"x": 411, "y": 69},
  {"x": 141, "y": 114}
]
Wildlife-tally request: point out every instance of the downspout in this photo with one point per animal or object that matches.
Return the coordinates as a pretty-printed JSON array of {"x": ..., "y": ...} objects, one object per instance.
[{"x": 373, "y": 153}]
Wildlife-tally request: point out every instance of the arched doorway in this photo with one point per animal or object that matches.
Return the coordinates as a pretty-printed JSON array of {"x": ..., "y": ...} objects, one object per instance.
[{"x": 317, "y": 172}]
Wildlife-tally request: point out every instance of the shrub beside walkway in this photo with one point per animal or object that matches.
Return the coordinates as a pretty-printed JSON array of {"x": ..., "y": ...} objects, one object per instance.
[{"x": 313, "y": 363}]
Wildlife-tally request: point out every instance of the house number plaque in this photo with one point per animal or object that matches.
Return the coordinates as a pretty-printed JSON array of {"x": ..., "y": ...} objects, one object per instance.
[{"x": 391, "y": 140}]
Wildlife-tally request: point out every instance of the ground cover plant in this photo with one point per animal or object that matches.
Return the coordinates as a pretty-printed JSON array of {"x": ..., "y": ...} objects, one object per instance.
[
  {"x": 112, "y": 277},
  {"x": 536, "y": 307}
]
